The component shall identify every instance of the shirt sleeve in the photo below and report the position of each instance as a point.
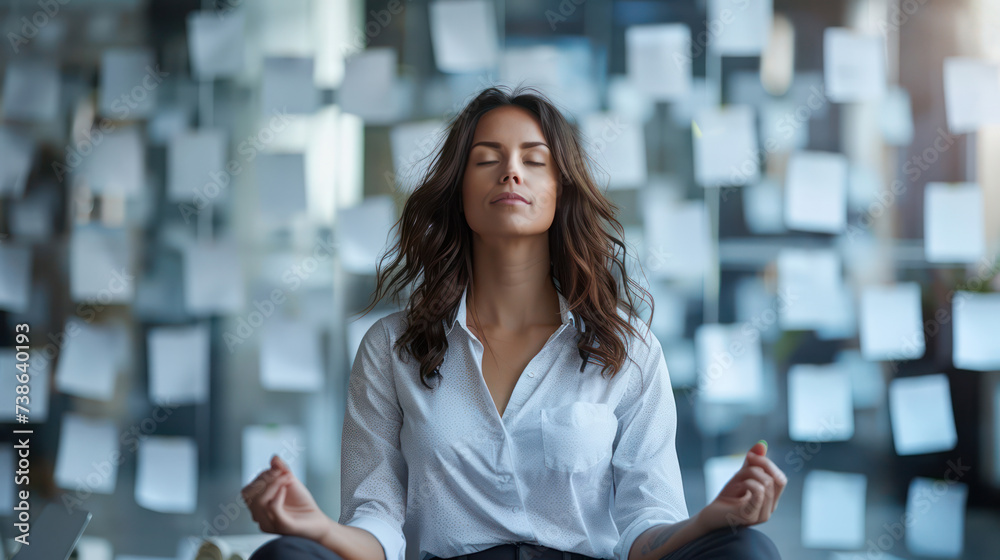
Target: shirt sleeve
(647, 477)
(373, 471)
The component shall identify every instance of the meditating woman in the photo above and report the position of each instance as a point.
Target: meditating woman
(516, 405)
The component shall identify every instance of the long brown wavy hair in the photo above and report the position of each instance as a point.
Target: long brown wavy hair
(434, 248)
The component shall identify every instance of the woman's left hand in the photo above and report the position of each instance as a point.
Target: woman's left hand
(750, 496)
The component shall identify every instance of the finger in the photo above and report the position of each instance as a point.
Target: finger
(750, 511)
(762, 476)
(759, 448)
(268, 495)
(780, 480)
(259, 484)
(769, 466)
(277, 508)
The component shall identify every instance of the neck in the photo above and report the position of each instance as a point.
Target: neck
(512, 286)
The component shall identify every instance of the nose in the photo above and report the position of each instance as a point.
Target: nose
(511, 175)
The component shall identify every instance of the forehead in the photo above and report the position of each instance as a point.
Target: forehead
(508, 123)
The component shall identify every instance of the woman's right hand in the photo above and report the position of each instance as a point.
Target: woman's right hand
(281, 504)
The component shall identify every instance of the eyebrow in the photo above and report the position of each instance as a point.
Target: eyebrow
(496, 145)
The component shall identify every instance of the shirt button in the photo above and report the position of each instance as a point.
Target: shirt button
(515, 509)
(531, 374)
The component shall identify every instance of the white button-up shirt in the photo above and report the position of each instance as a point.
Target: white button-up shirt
(577, 462)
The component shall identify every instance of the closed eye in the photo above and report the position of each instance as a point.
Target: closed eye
(527, 162)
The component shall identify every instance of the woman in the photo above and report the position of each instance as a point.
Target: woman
(503, 437)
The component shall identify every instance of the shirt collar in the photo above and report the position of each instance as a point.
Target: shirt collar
(565, 314)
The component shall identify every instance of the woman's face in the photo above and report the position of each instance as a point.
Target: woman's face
(509, 155)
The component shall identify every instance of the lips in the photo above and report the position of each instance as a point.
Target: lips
(510, 198)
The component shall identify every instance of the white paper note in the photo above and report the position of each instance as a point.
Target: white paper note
(291, 356)
(819, 403)
(619, 148)
(725, 146)
(971, 93)
(178, 364)
(116, 166)
(729, 364)
(31, 90)
(129, 82)
(935, 510)
(101, 267)
(216, 43)
(891, 324)
(782, 128)
(15, 277)
(676, 236)
(166, 477)
(921, 414)
(810, 284)
(954, 227)
(816, 192)
(260, 443)
(463, 35)
(413, 146)
(718, 471)
(681, 361)
(363, 231)
(703, 94)
(89, 361)
(853, 65)
(95, 548)
(368, 85)
(833, 510)
(87, 459)
(281, 184)
(977, 327)
(196, 167)
(287, 86)
(743, 26)
(658, 60)
(867, 380)
(17, 151)
(763, 207)
(213, 278)
(896, 117)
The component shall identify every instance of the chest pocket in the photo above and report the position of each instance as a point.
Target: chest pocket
(577, 436)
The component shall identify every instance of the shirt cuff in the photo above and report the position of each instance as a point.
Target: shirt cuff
(633, 531)
(392, 541)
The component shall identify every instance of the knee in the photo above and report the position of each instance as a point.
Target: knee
(285, 547)
(750, 543)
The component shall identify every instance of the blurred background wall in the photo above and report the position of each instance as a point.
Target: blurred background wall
(193, 196)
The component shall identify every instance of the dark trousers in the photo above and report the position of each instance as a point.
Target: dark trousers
(743, 543)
